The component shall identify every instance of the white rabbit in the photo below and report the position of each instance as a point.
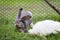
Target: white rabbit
(45, 27)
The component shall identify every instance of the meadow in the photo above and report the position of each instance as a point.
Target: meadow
(40, 11)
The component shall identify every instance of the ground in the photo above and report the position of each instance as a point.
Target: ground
(40, 11)
(7, 32)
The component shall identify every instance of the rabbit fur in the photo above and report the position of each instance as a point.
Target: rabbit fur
(45, 27)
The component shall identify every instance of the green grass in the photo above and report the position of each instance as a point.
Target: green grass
(7, 32)
(40, 10)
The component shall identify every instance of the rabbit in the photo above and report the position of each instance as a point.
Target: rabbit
(45, 27)
(23, 20)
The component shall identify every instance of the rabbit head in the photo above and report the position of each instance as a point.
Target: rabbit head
(20, 25)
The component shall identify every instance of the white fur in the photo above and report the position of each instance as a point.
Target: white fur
(45, 27)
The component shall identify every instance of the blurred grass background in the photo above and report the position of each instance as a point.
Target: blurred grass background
(40, 11)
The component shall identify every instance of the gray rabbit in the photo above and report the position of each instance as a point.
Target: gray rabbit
(23, 20)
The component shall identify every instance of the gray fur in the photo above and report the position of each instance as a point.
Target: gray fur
(20, 23)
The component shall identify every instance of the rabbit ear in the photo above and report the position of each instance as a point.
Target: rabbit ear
(20, 10)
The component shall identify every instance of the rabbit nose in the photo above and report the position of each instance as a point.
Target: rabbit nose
(25, 31)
